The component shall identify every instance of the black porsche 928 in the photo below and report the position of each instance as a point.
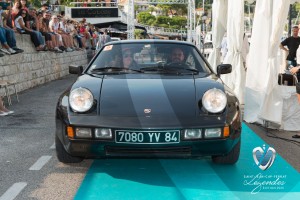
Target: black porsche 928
(148, 98)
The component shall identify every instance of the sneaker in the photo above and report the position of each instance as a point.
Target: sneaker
(11, 51)
(69, 49)
(5, 51)
(62, 48)
(10, 112)
(18, 50)
(57, 50)
(3, 113)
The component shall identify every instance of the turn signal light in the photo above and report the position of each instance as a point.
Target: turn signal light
(226, 131)
(70, 132)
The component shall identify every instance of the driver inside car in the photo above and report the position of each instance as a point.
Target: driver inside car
(177, 56)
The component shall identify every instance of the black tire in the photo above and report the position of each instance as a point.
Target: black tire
(231, 158)
(62, 154)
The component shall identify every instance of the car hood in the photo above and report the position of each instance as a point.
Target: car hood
(152, 95)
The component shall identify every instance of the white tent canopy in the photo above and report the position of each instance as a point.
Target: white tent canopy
(263, 96)
(219, 23)
(263, 100)
(235, 31)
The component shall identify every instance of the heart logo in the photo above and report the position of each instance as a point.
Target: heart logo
(264, 157)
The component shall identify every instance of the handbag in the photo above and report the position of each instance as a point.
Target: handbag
(287, 79)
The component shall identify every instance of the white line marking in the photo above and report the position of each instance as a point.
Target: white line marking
(40, 163)
(53, 146)
(13, 191)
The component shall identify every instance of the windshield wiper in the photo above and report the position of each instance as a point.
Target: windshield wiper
(156, 68)
(115, 69)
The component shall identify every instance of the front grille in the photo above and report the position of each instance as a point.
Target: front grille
(148, 152)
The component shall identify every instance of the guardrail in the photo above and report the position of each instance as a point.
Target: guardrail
(106, 4)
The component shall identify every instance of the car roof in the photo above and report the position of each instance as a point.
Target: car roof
(150, 41)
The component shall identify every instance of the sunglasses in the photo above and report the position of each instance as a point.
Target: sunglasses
(127, 55)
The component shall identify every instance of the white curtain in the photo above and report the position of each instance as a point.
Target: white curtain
(263, 101)
(235, 31)
(219, 20)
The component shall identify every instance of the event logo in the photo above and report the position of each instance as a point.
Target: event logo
(264, 157)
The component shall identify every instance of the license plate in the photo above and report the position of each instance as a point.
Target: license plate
(147, 137)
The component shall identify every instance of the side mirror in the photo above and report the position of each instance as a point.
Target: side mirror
(224, 69)
(75, 69)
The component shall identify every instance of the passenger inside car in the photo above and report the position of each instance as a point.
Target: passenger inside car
(128, 61)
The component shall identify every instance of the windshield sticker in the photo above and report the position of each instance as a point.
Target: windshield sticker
(108, 48)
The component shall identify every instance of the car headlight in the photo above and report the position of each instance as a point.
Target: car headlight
(81, 99)
(214, 100)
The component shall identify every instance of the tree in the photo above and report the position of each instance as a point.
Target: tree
(145, 18)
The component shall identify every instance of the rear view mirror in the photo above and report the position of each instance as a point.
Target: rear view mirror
(75, 69)
(224, 69)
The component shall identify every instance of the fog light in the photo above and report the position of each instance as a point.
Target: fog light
(84, 132)
(213, 132)
(104, 133)
(192, 133)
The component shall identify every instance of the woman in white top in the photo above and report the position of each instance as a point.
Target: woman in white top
(67, 37)
(54, 27)
(20, 25)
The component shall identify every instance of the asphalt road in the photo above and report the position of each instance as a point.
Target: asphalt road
(28, 163)
(29, 168)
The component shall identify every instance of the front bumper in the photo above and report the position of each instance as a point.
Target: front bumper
(95, 148)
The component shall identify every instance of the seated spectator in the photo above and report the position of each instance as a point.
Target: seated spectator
(53, 42)
(54, 28)
(23, 29)
(5, 47)
(67, 38)
(83, 30)
(9, 32)
(31, 22)
(4, 111)
(15, 10)
(73, 32)
(23, 5)
(44, 8)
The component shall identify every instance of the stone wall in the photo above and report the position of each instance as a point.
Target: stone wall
(32, 68)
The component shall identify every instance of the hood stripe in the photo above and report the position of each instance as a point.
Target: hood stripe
(136, 93)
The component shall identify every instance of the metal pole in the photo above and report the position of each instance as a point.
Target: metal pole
(290, 20)
(203, 6)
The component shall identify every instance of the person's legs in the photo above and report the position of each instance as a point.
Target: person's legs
(298, 97)
(11, 38)
(2, 36)
(40, 38)
(4, 111)
(6, 48)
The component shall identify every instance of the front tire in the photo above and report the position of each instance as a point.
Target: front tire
(231, 158)
(62, 154)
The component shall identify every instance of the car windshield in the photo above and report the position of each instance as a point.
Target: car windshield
(149, 57)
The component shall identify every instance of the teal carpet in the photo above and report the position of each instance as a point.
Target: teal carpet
(172, 179)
